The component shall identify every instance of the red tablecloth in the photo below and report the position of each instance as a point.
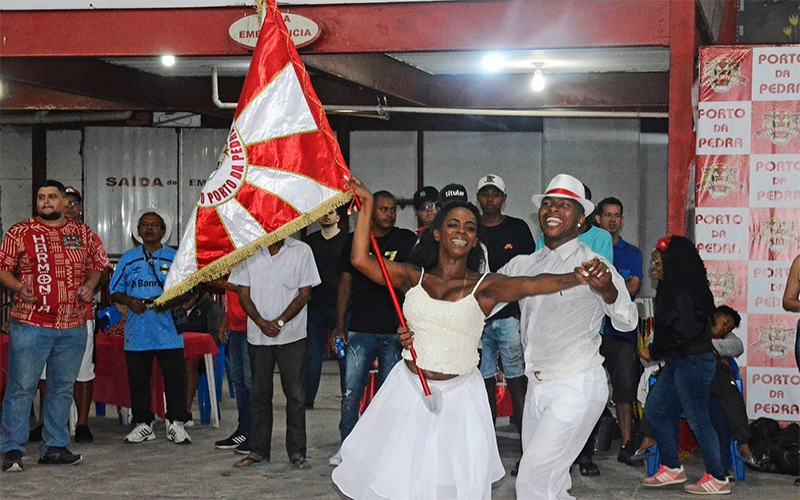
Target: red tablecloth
(111, 371)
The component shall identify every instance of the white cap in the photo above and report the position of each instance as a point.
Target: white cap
(492, 180)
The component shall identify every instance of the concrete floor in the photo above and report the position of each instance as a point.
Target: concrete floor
(161, 469)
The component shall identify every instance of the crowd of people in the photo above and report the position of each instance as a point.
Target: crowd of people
(554, 320)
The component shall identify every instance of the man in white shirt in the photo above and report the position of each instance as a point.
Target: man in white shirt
(274, 287)
(567, 387)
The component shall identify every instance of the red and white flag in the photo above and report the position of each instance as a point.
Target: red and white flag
(280, 170)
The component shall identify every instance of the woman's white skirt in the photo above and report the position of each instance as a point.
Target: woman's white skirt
(401, 450)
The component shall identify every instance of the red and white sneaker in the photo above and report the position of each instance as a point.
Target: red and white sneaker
(709, 485)
(665, 476)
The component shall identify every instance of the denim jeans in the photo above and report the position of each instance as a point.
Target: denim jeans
(684, 386)
(319, 324)
(502, 335)
(291, 364)
(29, 348)
(362, 349)
(242, 379)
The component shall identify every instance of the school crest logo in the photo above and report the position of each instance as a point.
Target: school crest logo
(777, 234)
(722, 74)
(779, 126)
(723, 285)
(720, 180)
(775, 340)
(71, 241)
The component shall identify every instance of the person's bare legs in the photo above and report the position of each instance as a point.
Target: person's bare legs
(625, 421)
(83, 400)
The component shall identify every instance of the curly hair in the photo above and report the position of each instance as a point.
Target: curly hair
(426, 253)
(685, 272)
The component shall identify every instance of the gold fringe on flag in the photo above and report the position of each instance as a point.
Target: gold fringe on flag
(222, 266)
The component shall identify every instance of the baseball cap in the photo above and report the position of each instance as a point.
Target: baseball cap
(452, 192)
(427, 193)
(74, 192)
(492, 180)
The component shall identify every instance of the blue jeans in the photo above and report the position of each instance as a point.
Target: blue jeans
(684, 386)
(319, 324)
(29, 348)
(502, 335)
(362, 349)
(242, 379)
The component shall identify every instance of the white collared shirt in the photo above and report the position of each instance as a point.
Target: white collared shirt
(274, 282)
(560, 331)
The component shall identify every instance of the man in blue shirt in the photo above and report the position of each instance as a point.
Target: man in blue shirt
(619, 348)
(150, 332)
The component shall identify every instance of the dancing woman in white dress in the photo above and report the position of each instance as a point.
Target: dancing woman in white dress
(400, 449)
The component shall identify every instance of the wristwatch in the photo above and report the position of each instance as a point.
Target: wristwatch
(281, 323)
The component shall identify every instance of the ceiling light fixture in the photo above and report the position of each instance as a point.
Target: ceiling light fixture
(494, 62)
(537, 84)
(168, 60)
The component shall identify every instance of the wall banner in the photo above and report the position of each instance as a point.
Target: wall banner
(747, 220)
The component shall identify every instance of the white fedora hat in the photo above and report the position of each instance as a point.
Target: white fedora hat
(164, 215)
(565, 186)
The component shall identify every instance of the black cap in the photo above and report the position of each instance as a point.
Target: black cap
(427, 193)
(452, 192)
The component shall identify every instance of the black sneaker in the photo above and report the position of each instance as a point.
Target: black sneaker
(83, 434)
(59, 456)
(35, 435)
(231, 441)
(243, 449)
(12, 461)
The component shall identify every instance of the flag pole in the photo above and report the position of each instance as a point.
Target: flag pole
(378, 255)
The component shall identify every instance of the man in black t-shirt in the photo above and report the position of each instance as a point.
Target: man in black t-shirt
(327, 247)
(373, 320)
(505, 238)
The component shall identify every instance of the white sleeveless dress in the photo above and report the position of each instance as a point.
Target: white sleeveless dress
(401, 450)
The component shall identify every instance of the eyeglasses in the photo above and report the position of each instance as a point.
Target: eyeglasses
(654, 263)
(73, 204)
(427, 207)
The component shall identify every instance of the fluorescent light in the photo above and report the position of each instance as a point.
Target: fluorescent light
(494, 62)
(538, 81)
(168, 60)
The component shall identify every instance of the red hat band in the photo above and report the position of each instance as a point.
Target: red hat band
(562, 191)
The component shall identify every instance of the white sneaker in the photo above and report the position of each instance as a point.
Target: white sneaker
(336, 459)
(142, 432)
(176, 433)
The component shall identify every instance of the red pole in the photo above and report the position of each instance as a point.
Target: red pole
(378, 255)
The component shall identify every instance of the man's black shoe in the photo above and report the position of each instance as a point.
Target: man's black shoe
(35, 435)
(625, 454)
(83, 434)
(59, 456)
(231, 441)
(12, 461)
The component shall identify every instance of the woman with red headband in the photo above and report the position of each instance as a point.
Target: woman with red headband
(401, 448)
(684, 312)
